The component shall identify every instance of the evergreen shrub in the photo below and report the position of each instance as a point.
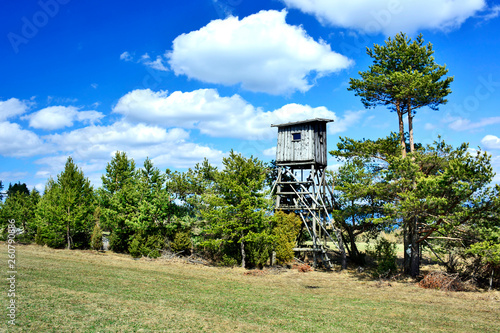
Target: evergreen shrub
(181, 243)
(384, 253)
(96, 239)
(285, 232)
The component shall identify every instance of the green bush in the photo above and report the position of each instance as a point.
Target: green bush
(135, 247)
(228, 261)
(80, 240)
(149, 247)
(119, 241)
(96, 239)
(285, 233)
(50, 237)
(38, 236)
(54, 240)
(182, 243)
(152, 247)
(222, 253)
(258, 248)
(384, 253)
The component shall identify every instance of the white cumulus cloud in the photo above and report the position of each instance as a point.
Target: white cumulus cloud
(491, 142)
(218, 116)
(145, 59)
(270, 151)
(342, 124)
(390, 16)
(261, 52)
(429, 127)
(492, 13)
(184, 109)
(97, 144)
(154, 64)
(464, 124)
(92, 147)
(126, 56)
(101, 141)
(12, 107)
(186, 155)
(56, 117)
(18, 142)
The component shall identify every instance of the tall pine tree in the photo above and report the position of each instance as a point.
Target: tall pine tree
(236, 208)
(65, 212)
(20, 207)
(404, 77)
(119, 200)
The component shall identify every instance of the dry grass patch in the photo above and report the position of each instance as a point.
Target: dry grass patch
(82, 291)
(443, 281)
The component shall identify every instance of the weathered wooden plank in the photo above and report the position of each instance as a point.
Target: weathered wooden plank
(302, 142)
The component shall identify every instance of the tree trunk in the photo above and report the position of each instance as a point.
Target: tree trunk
(354, 250)
(354, 253)
(406, 247)
(491, 278)
(243, 255)
(67, 229)
(415, 249)
(410, 130)
(343, 256)
(346, 246)
(67, 237)
(411, 262)
(401, 131)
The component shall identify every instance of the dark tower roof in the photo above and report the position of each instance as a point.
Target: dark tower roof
(323, 120)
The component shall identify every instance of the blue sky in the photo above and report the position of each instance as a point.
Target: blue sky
(178, 81)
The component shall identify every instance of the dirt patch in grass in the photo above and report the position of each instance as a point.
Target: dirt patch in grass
(256, 272)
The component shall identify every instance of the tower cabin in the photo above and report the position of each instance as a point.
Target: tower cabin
(301, 185)
(302, 144)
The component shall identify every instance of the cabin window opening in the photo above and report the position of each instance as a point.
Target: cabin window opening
(296, 136)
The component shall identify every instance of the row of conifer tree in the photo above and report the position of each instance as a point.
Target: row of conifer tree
(439, 198)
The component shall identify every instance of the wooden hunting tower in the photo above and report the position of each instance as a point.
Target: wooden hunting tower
(302, 143)
(301, 188)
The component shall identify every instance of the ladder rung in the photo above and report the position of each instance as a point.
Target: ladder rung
(294, 193)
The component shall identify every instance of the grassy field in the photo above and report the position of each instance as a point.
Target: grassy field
(84, 291)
